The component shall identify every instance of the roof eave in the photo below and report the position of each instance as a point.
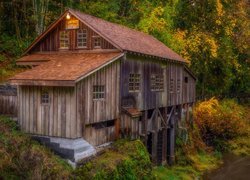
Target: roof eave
(33, 82)
(100, 67)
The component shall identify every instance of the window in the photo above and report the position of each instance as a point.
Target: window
(171, 86)
(82, 38)
(157, 82)
(134, 82)
(64, 39)
(186, 79)
(104, 124)
(178, 85)
(98, 92)
(97, 42)
(45, 97)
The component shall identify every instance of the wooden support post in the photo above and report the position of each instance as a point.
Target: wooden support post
(172, 140)
(154, 147)
(164, 140)
(145, 126)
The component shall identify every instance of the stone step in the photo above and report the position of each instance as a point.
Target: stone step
(81, 155)
(72, 149)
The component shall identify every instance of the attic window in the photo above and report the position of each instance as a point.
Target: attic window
(98, 92)
(171, 86)
(134, 82)
(45, 97)
(97, 41)
(82, 38)
(157, 82)
(64, 39)
(186, 79)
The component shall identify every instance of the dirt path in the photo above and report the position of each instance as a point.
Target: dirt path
(234, 168)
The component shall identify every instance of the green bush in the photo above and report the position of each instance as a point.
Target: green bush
(219, 122)
(23, 158)
(126, 160)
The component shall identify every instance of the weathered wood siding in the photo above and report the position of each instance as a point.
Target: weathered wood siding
(188, 88)
(99, 136)
(58, 118)
(51, 41)
(145, 98)
(174, 83)
(131, 127)
(91, 111)
(8, 105)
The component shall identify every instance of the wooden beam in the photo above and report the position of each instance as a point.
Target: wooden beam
(34, 82)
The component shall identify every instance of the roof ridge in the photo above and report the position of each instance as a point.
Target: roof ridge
(114, 23)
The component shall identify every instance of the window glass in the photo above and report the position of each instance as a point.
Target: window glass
(45, 97)
(98, 92)
(134, 82)
(82, 38)
(64, 39)
(97, 42)
(171, 86)
(157, 82)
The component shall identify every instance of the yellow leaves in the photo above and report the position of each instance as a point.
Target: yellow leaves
(200, 42)
(153, 21)
(219, 118)
(219, 8)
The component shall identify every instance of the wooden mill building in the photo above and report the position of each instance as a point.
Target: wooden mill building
(98, 81)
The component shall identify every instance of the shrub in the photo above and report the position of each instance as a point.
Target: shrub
(126, 160)
(219, 121)
(23, 158)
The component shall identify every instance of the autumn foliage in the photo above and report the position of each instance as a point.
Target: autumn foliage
(219, 121)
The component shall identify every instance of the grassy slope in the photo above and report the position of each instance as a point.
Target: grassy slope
(23, 158)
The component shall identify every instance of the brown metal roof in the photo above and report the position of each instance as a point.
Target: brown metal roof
(128, 39)
(65, 66)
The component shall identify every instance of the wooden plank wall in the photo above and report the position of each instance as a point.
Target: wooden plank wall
(145, 98)
(91, 111)
(8, 105)
(51, 41)
(174, 73)
(130, 127)
(188, 88)
(99, 136)
(58, 118)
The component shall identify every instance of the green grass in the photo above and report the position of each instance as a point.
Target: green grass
(125, 160)
(199, 163)
(23, 158)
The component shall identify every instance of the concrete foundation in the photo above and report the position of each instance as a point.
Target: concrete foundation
(74, 150)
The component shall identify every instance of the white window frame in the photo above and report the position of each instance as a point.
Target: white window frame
(64, 39)
(82, 38)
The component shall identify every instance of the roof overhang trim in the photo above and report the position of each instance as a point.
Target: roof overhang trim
(100, 67)
(32, 82)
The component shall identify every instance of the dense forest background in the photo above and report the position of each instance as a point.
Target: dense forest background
(213, 35)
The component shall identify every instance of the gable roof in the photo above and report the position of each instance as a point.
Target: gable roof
(64, 67)
(121, 37)
(128, 39)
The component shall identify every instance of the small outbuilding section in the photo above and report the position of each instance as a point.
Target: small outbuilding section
(92, 81)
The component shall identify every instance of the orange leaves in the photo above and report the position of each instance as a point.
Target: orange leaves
(219, 120)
